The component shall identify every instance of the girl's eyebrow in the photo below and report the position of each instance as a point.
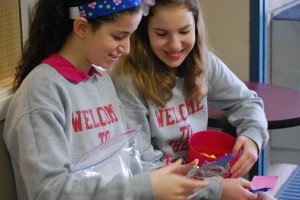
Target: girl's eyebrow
(123, 32)
(187, 26)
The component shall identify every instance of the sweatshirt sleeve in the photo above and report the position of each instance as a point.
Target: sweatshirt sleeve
(212, 192)
(244, 109)
(43, 162)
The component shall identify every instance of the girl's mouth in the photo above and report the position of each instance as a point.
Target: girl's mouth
(173, 55)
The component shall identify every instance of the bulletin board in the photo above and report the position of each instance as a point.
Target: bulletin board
(10, 40)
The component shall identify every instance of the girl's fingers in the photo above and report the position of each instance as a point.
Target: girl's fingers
(173, 167)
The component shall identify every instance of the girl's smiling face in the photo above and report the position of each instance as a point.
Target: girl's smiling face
(108, 43)
(172, 34)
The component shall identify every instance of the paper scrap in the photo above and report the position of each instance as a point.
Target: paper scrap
(264, 181)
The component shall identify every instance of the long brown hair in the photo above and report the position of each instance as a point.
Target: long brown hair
(49, 30)
(152, 77)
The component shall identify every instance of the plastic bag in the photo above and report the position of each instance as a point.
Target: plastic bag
(117, 156)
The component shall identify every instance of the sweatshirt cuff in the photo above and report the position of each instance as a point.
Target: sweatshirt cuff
(213, 191)
(260, 137)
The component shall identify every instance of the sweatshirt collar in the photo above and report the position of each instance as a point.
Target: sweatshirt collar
(68, 70)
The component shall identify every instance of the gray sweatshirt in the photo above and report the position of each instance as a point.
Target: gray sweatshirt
(166, 130)
(57, 115)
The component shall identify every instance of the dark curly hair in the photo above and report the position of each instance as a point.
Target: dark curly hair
(49, 29)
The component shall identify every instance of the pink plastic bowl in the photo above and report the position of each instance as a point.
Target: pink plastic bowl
(211, 142)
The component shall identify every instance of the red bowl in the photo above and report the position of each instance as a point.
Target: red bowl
(211, 142)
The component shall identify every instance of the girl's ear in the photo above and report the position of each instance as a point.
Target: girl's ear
(80, 26)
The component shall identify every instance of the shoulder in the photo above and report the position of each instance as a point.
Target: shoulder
(123, 82)
(216, 67)
(214, 61)
(44, 85)
(42, 77)
(127, 89)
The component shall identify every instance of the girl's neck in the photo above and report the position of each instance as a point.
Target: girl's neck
(72, 53)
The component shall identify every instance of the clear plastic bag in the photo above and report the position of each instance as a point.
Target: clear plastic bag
(117, 156)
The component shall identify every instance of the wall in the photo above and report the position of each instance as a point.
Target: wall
(285, 62)
(273, 5)
(283, 170)
(26, 8)
(228, 31)
(10, 51)
(7, 182)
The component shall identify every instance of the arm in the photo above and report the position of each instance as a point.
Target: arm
(244, 110)
(44, 162)
(43, 159)
(43, 143)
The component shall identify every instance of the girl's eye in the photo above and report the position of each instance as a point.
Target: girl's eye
(161, 34)
(185, 32)
(120, 37)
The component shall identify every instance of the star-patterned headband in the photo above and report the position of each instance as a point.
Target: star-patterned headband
(102, 7)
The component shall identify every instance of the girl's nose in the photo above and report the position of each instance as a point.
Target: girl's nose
(174, 42)
(124, 48)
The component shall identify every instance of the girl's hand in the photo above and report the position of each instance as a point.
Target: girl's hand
(248, 157)
(237, 189)
(167, 184)
(184, 169)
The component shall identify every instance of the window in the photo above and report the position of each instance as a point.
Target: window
(10, 40)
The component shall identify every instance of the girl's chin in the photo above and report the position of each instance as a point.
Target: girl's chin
(173, 64)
